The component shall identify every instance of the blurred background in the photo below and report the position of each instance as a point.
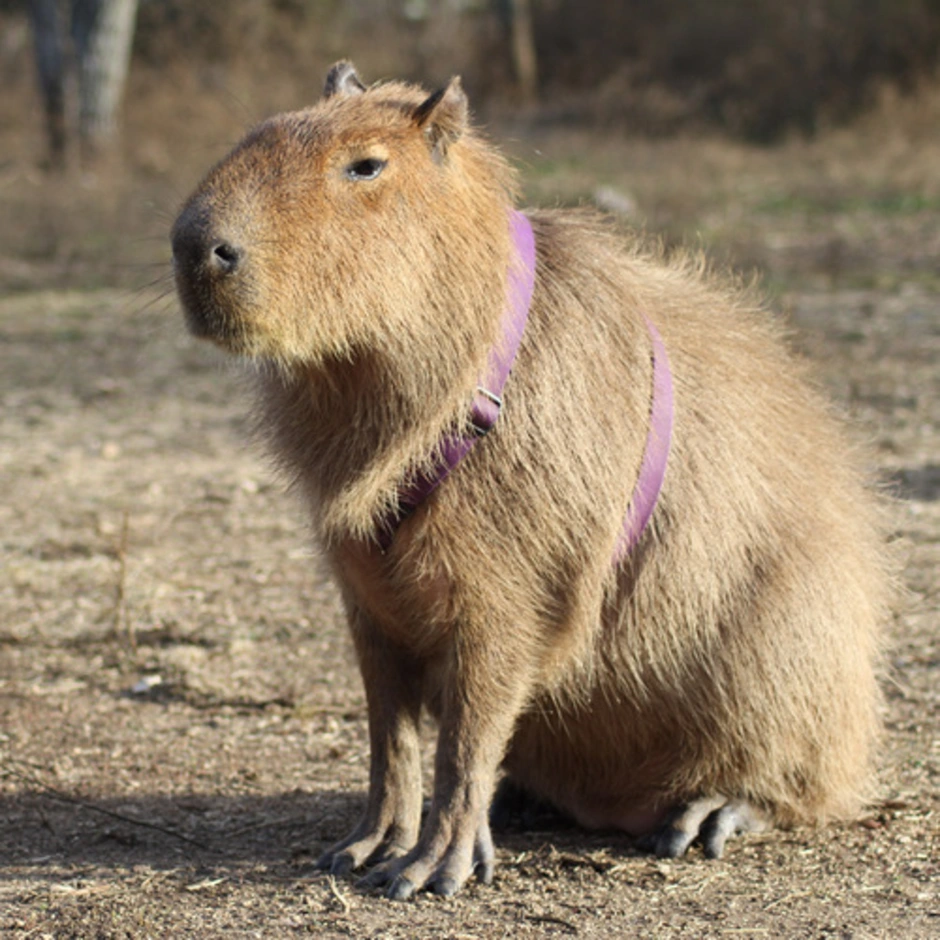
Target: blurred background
(112, 109)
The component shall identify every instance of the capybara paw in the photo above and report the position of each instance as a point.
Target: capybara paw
(710, 820)
(441, 868)
(732, 819)
(336, 863)
(354, 852)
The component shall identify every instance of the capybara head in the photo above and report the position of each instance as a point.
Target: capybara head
(352, 224)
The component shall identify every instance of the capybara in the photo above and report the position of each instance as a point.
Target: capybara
(648, 591)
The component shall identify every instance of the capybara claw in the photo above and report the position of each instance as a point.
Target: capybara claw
(342, 864)
(672, 843)
(484, 872)
(377, 878)
(338, 860)
(445, 886)
(401, 889)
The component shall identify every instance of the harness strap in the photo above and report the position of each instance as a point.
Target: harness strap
(487, 402)
(656, 455)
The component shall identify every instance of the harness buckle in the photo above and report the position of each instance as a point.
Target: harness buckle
(483, 414)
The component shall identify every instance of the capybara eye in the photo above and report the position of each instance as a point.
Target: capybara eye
(367, 169)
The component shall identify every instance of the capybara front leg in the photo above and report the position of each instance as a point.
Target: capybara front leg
(484, 693)
(710, 820)
(389, 827)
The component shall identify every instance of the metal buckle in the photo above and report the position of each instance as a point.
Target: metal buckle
(479, 428)
(495, 399)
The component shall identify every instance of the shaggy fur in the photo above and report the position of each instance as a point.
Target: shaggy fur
(729, 661)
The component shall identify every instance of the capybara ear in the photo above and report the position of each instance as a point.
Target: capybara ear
(443, 116)
(342, 80)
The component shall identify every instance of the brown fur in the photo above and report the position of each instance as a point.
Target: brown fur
(732, 655)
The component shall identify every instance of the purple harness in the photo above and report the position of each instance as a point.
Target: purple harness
(487, 402)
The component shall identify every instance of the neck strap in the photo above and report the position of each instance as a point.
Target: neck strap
(487, 399)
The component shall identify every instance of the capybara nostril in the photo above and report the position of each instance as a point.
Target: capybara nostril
(225, 257)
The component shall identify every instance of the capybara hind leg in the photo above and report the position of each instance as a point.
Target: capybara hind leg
(710, 820)
(389, 827)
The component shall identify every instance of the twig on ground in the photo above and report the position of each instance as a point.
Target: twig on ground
(53, 794)
(334, 890)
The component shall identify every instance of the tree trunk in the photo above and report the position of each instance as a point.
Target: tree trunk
(102, 31)
(50, 63)
(523, 49)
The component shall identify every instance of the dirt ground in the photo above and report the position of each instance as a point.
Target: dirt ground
(182, 728)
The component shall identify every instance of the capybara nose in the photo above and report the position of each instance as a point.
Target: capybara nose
(224, 257)
(200, 248)
(193, 252)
